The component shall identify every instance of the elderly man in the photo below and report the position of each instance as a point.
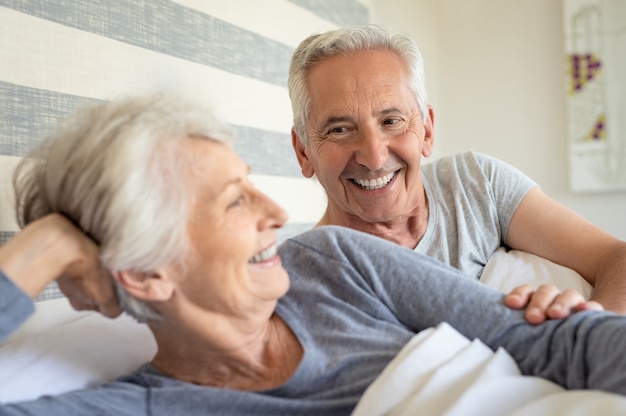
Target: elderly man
(362, 124)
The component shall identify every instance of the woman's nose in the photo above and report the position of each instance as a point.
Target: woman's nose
(274, 215)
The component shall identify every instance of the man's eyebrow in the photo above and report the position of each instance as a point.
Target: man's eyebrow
(335, 119)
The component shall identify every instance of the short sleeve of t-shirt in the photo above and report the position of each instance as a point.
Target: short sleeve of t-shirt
(472, 198)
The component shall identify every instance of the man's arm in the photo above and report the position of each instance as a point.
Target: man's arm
(52, 248)
(548, 229)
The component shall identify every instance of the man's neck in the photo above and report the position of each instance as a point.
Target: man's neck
(406, 230)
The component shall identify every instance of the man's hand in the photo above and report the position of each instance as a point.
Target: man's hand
(548, 229)
(548, 302)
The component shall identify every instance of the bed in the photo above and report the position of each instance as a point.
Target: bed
(438, 372)
(240, 62)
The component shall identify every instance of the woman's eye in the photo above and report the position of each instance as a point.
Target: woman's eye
(237, 202)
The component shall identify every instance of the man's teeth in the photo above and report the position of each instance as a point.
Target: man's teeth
(264, 255)
(373, 184)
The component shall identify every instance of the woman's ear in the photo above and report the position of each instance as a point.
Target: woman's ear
(155, 286)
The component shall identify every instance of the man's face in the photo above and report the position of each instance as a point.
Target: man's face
(366, 136)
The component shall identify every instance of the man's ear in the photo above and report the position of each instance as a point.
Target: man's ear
(429, 133)
(154, 286)
(301, 153)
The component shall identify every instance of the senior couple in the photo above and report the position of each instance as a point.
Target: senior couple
(244, 327)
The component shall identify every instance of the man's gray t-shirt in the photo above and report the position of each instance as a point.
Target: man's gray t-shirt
(471, 200)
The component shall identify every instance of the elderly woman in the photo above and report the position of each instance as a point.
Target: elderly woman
(190, 245)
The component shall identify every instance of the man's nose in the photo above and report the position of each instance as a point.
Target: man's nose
(372, 149)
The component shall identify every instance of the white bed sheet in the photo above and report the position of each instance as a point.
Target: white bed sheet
(440, 372)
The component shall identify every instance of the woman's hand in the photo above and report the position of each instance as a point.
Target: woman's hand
(52, 248)
(548, 302)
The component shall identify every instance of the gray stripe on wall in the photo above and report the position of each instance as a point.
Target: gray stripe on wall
(287, 231)
(266, 152)
(27, 115)
(6, 236)
(50, 292)
(172, 29)
(342, 13)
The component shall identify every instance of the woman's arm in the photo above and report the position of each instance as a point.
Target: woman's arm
(52, 248)
(584, 350)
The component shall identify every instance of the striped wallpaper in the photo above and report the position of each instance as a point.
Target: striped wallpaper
(55, 55)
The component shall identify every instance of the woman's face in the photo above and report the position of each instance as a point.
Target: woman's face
(232, 268)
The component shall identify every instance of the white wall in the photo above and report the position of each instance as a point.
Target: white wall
(497, 86)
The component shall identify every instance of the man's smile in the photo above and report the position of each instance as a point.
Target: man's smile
(377, 183)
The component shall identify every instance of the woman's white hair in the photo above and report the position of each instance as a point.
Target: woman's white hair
(116, 170)
(347, 41)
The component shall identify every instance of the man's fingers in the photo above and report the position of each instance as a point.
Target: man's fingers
(518, 298)
(590, 305)
(564, 304)
(548, 302)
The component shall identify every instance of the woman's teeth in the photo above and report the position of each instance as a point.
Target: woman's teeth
(264, 255)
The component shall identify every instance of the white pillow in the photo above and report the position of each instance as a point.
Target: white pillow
(509, 269)
(59, 349)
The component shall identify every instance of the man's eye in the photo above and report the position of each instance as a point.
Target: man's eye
(392, 120)
(337, 130)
